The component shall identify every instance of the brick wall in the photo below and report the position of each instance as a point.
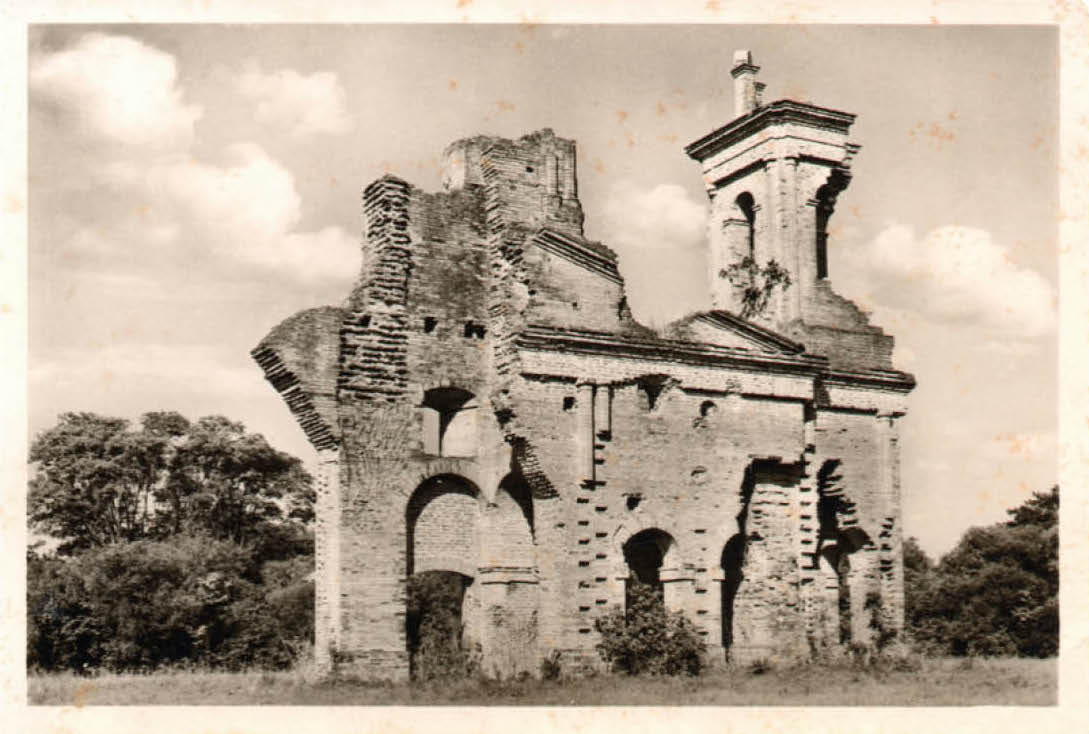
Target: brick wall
(587, 429)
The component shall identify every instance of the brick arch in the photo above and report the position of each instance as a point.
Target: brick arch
(442, 526)
(632, 526)
(508, 541)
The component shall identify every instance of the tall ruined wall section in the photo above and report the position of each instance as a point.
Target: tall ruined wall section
(484, 404)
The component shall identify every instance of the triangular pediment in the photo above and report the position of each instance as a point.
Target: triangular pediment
(724, 329)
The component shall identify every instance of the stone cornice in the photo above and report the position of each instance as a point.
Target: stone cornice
(593, 343)
(593, 257)
(547, 338)
(871, 379)
(783, 111)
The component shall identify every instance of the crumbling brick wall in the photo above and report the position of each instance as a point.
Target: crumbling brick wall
(484, 403)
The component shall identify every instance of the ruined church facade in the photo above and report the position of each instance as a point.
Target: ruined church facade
(483, 403)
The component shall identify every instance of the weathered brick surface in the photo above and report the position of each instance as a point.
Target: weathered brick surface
(485, 404)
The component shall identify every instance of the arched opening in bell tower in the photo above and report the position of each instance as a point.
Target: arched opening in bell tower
(824, 211)
(747, 205)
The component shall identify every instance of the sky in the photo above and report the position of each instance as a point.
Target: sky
(193, 185)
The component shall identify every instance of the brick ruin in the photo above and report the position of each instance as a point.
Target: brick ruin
(484, 403)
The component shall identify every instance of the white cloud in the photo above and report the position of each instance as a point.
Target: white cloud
(157, 203)
(659, 235)
(115, 89)
(243, 210)
(299, 105)
(953, 275)
(663, 217)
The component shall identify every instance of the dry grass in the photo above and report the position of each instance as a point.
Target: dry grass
(946, 682)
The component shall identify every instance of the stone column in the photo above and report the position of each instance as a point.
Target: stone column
(327, 560)
(890, 540)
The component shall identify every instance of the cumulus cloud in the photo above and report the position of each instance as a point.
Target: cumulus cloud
(300, 105)
(659, 235)
(157, 202)
(955, 275)
(115, 89)
(664, 217)
(243, 210)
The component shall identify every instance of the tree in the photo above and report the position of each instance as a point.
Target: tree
(140, 605)
(97, 481)
(996, 592)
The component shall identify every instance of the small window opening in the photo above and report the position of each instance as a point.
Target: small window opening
(529, 169)
(474, 330)
(568, 403)
(365, 321)
(430, 322)
(634, 500)
(707, 409)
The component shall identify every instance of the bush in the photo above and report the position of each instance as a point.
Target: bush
(434, 629)
(646, 639)
(147, 604)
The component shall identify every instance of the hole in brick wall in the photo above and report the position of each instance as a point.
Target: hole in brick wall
(430, 322)
(532, 292)
(568, 403)
(364, 321)
(529, 169)
(634, 500)
(707, 409)
(474, 330)
(575, 305)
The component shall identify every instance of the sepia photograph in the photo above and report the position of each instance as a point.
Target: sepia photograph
(542, 364)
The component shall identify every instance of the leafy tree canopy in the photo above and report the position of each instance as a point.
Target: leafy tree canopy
(98, 480)
(996, 592)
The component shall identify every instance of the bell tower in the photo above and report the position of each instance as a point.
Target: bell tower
(773, 174)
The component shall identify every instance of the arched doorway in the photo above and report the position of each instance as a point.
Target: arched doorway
(442, 556)
(645, 554)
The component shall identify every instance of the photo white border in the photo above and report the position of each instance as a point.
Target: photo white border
(1072, 713)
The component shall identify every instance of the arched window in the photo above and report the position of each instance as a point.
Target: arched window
(824, 211)
(747, 206)
(449, 422)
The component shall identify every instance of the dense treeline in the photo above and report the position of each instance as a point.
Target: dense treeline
(176, 542)
(996, 592)
(190, 543)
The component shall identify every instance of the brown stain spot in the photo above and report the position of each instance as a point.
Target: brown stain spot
(13, 204)
(81, 694)
(1037, 141)
(668, 138)
(333, 183)
(453, 85)
(952, 115)
(660, 108)
(463, 3)
(5, 308)
(621, 116)
(504, 105)
(598, 166)
(630, 139)
(528, 25)
(712, 6)
(934, 20)
(519, 47)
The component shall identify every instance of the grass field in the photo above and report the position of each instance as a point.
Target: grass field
(945, 682)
